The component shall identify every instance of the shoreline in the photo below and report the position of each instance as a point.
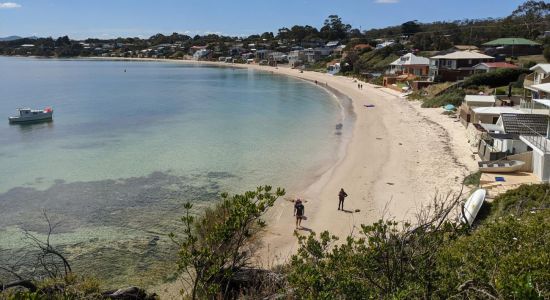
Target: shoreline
(398, 157)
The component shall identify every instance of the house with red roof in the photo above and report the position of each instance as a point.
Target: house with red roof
(486, 67)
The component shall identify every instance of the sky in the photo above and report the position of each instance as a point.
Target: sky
(80, 19)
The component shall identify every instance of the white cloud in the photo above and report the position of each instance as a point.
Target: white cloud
(386, 1)
(8, 5)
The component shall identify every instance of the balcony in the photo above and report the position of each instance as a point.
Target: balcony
(529, 80)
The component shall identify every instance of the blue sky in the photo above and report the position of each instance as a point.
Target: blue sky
(111, 18)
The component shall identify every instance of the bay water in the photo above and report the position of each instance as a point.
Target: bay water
(131, 142)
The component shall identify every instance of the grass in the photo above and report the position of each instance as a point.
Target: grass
(453, 97)
(533, 58)
(473, 179)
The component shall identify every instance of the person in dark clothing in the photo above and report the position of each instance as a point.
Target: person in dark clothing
(341, 196)
(299, 210)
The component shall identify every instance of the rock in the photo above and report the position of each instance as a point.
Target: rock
(130, 293)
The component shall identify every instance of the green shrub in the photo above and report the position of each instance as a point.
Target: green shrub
(495, 79)
(509, 258)
(473, 179)
(521, 201)
(453, 97)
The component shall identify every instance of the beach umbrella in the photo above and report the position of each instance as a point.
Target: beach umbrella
(449, 107)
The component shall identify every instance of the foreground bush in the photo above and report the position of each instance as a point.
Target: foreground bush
(217, 246)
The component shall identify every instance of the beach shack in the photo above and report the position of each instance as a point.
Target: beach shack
(470, 102)
(490, 115)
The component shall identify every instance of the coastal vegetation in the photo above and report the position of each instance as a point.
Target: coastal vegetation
(505, 255)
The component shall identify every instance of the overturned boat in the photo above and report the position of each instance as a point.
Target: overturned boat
(500, 166)
(27, 115)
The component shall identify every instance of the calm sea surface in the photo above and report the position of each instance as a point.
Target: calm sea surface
(132, 141)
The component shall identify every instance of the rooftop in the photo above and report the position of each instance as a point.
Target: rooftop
(524, 124)
(411, 59)
(511, 41)
(496, 110)
(463, 55)
(480, 98)
(544, 67)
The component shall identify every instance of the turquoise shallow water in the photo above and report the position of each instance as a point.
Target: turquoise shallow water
(132, 141)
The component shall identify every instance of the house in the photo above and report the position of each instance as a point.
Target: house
(194, 49)
(493, 66)
(333, 68)
(456, 65)
(410, 64)
(296, 58)
(503, 138)
(203, 54)
(278, 57)
(512, 47)
(385, 44)
(536, 84)
(408, 67)
(312, 55)
(470, 102)
(262, 55)
(332, 44)
(538, 140)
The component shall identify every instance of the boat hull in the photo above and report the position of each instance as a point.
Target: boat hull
(42, 118)
(472, 206)
(501, 167)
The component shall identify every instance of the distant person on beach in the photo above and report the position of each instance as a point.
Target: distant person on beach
(299, 210)
(341, 196)
(316, 82)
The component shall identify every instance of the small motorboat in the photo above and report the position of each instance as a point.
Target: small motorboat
(472, 206)
(27, 115)
(500, 166)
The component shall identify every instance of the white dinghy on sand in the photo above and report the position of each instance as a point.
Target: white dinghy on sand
(472, 206)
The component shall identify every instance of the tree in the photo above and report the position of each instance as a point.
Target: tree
(532, 14)
(334, 28)
(547, 53)
(214, 247)
(410, 28)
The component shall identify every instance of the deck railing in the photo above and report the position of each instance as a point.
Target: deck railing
(536, 139)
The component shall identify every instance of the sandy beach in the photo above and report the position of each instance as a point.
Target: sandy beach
(399, 158)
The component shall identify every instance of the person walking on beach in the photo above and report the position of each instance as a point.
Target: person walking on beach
(341, 196)
(299, 210)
